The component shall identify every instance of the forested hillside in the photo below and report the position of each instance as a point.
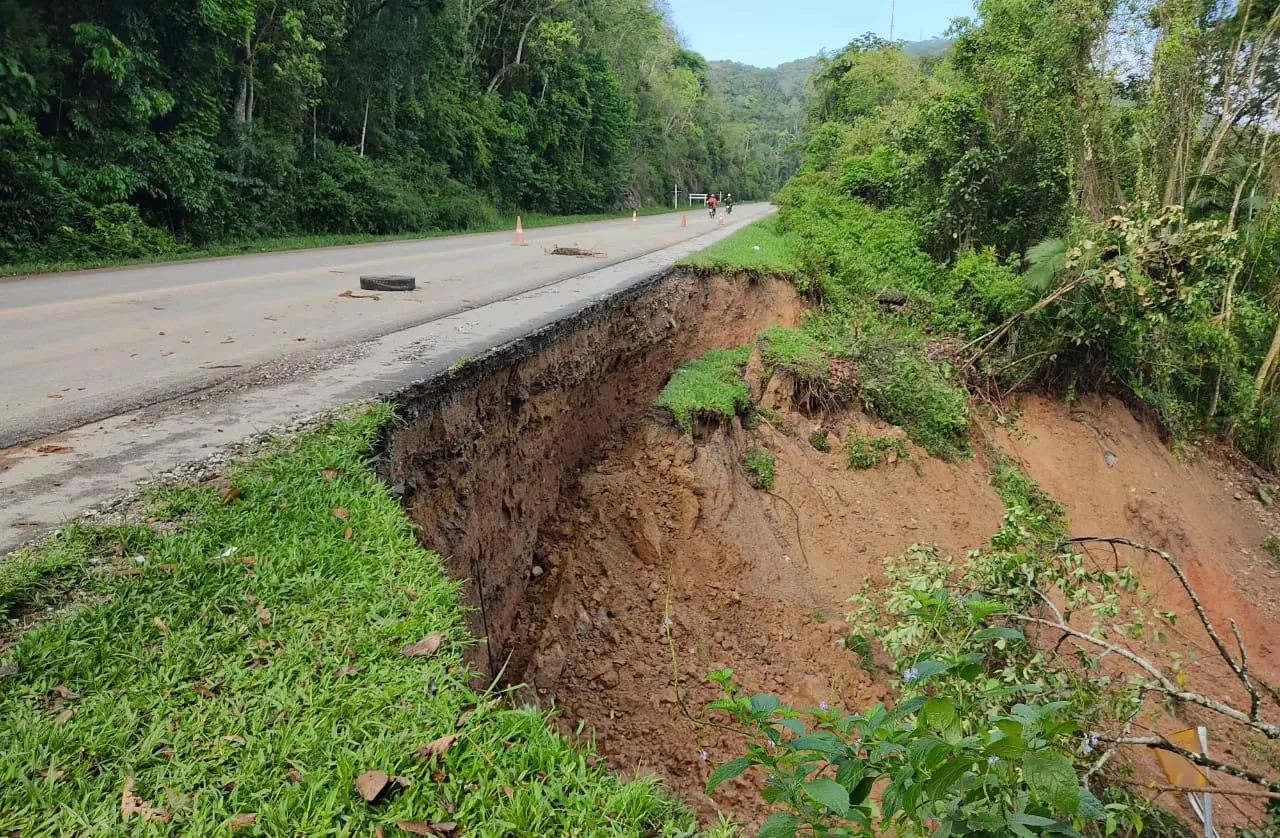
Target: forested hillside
(766, 113)
(132, 127)
(1087, 191)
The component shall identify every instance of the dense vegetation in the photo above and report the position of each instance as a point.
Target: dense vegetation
(131, 129)
(1085, 191)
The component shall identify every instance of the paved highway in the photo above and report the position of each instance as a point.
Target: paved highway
(78, 347)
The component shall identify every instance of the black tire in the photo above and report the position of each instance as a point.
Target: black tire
(388, 282)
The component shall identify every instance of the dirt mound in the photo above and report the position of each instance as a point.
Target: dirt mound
(754, 580)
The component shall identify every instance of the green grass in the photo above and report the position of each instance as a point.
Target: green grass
(761, 466)
(868, 452)
(216, 706)
(900, 385)
(709, 386)
(820, 441)
(794, 350)
(308, 242)
(758, 247)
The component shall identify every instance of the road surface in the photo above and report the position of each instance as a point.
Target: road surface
(78, 347)
(51, 479)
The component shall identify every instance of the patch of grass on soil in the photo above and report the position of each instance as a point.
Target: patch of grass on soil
(794, 350)
(868, 452)
(249, 667)
(711, 385)
(759, 247)
(900, 385)
(760, 465)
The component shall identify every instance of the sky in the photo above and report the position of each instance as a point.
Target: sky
(769, 32)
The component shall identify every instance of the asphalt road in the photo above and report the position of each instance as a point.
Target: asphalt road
(79, 347)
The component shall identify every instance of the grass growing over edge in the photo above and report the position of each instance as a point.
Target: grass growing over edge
(275, 244)
(710, 385)
(900, 385)
(795, 350)
(758, 247)
(222, 684)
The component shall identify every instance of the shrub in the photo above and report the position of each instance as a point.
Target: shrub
(868, 452)
(900, 385)
(820, 441)
(796, 351)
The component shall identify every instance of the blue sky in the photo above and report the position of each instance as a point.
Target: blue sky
(769, 32)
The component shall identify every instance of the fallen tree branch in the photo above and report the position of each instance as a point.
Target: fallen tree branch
(1241, 667)
(1163, 684)
(1159, 743)
(1162, 787)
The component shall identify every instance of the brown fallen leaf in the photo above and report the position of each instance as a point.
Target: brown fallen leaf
(57, 773)
(294, 775)
(329, 473)
(131, 804)
(163, 749)
(347, 670)
(129, 571)
(425, 647)
(264, 613)
(234, 740)
(64, 716)
(241, 820)
(346, 536)
(159, 623)
(245, 560)
(370, 784)
(118, 549)
(61, 691)
(204, 692)
(353, 296)
(230, 495)
(378, 832)
(424, 828)
(166, 567)
(54, 449)
(341, 512)
(438, 747)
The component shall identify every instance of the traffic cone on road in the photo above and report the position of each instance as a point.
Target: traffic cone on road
(720, 220)
(684, 221)
(634, 223)
(519, 233)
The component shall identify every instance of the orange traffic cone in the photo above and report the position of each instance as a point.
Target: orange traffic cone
(519, 233)
(720, 220)
(684, 222)
(634, 224)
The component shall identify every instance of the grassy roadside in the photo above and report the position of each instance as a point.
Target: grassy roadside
(303, 242)
(246, 669)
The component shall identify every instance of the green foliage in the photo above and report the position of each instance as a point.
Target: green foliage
(190, 668)
(760, 464)
(868, 452)
(876, 178)
(709, 387)
(796, 351)
(1272, 546)
(901, 385)
(129, 130)
(820, 440)
(759, 247)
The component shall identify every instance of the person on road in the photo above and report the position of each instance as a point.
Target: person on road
(728, 204)
(712, 204)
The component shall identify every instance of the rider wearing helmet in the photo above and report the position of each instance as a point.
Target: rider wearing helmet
(728, 204)
(713, 202)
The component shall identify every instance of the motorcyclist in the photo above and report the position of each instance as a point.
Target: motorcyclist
(712, 204)
(728, 204)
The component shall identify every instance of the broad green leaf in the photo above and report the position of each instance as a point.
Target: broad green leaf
(829, 793)
(765, 702)
(859, 792)
(927, 669)
(1030, 820)
(997, 633)
(939, 713)
(727, 771)
(1052, 778)
(1007, 747)
(779, 825)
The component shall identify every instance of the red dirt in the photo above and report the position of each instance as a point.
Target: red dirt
(750, 587)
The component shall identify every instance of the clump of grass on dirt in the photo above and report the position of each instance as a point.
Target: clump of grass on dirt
(820, 441)
(251, 664)
(901, 385)
(760, 247)
(761, 465)
(794, 350)
(711, 385)
(868, 452)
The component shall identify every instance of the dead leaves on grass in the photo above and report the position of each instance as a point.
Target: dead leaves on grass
(438, 747)
(131, 805)
(241, 820)
(424, 648)
(424, 828)
(373, 784)
(341, 512)
(264, 613)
